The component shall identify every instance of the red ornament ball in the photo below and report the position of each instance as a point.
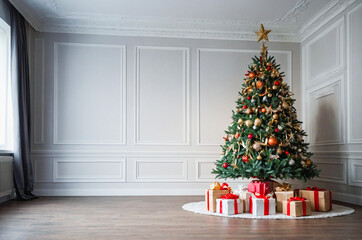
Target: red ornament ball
(251, 75)
(225, 165)
(249, 97)
(276, 130)
(250, 136)
(286, 152)
(244, 107)
(245, 159)
(276, 83)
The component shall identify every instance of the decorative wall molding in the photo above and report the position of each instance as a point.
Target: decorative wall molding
(339, 27)
(198, 82)
(60, 21)
(186, 95)
(334, 86)
(339, 163)
(167, 164)
(38, 134)
(353, 176)
(331, 10)
(121, 177)
(122, 51)
(349, 52)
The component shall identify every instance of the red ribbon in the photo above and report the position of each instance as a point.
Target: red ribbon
(251, 204)
(208, 202)
(266, 203)
(221, 206)
(297, 199)
(235, 206)
(230, 196)
(224, 186)
(316, 199)
(235, 203)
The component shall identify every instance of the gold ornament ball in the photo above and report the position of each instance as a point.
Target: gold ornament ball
(257, 146)
(272, 75)
(240, 121)
(285, 105)
(259, 84)
(275, 116)
(280, 151)
(249, 123)
(250, 90)
(270, 95)
(308, 162)
(257, 122)
(248, 111)
(259, 157)
(275, 87)
(269, 64)
(272, 141)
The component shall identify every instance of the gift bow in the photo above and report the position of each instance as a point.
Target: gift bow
(263, 196)
(315, 189)
(230, 196)
(241, 188)
(296, 199)
(217, 186)
(284, 187)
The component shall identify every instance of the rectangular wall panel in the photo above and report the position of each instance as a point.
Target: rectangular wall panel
(355, 172)
(88, 170)
(332, 169)
(38, 100)
(354, 74)
(203, 171)
(43, 169)
(325, 52)
(324, 113)
(162, 95)
(220, 78)
(158, 169)
(89, 93)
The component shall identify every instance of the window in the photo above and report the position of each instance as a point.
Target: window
(6, 123)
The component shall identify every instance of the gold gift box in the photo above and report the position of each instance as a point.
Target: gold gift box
(324, 199)
(211, 196)
(296, 208)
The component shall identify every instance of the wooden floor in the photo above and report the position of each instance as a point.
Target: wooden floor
(154, 218)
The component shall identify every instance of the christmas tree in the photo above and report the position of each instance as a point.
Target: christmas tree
(265, 139)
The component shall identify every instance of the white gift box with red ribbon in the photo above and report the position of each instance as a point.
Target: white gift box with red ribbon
(262, 205)
(229, 206)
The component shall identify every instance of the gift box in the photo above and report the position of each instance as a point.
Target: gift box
(282, 193)
(282, 196)
(297, 207)
(262, 205)
(262, 188)
(244, 196)
(229, 204)
(216, 191)
(321, 199)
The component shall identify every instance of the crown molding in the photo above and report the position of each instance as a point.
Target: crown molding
(27, 14)
(332, 9)
(284, 29)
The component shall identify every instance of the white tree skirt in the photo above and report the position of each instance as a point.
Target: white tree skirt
(337, 210)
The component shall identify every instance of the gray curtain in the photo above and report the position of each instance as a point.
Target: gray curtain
(23, 175)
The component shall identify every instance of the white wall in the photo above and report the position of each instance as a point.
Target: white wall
(332, 103)
(134, 115)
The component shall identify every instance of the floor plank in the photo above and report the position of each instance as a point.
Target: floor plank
(154, 218)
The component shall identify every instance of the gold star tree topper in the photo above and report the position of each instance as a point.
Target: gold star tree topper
(263, 34)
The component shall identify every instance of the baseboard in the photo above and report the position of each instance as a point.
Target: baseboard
(6, 196)
(347, 198)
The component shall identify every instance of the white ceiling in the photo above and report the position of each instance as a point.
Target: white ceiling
(223, 19)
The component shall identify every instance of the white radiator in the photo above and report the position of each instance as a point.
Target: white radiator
(6, 177)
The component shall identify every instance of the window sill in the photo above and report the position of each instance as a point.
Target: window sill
(6, 153)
